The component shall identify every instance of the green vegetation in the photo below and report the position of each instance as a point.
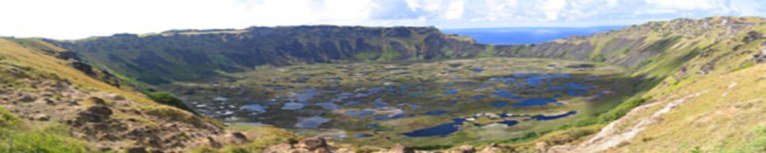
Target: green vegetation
(170, 100)
(50, 139)
(389, 55)
(488, 51)
(432, 79)
(366, 56)
(758, 144)
(7, 119)
(622, 109)
(18, 137)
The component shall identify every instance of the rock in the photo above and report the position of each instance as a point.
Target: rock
(105, 148)
(96, 101)
(399, 148)
(466, 149)
(116, 97)
(41, 117)
(27, 98)
(541, 147)
(136, 150)
(279, 148)
(490, 150)
(214, 143)
(314, 143)
(96, 113)
(238, 137)
(49, 101)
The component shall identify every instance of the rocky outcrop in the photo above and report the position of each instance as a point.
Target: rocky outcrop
(399, 148)
(310, 145)
(107, 121)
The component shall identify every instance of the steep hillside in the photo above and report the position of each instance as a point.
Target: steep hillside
(54, 105)
(187, 55)
(652, 48)
(709, 102)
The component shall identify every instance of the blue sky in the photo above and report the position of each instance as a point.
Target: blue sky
(73, 19)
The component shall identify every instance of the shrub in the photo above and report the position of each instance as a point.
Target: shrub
(622, 109)
(7, 119)
(170, 100)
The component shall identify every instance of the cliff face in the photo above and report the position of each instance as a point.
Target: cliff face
(187, 55)
(195, 54)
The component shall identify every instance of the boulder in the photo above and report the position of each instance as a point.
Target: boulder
(96, 113)
(41, 117)
(136, 150)
(238, 137)
(96, 101)
(115, 97)
(214, 143)
(399, 148)
(541, 147)
(466, 149)
(314, 143)
(279, 148)
(27, 98)
(49, 101)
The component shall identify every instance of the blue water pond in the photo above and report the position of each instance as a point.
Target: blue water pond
(436, 112)
(361, 113)
(389, 117)
(510, 122)
(535, 102)
(450, 92)
(328, 105)
(311, 122)
(479, 97)
(499, 104)
(477, 70)
(361, 135)
(502, 79)
(254, 107)
(552, 117)
(502, 93)
(293, 106)
(307, 95)
(439, 130)
(379, 103)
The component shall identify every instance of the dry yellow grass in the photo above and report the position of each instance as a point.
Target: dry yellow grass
(722, 119)
(15, 53)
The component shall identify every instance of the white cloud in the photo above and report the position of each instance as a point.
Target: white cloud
(413, 5)
(498, 9)
(81, 18)
(455, 10)
(552, 8)
(683, 4)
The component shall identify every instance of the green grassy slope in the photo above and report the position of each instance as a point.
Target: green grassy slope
(702, 90)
